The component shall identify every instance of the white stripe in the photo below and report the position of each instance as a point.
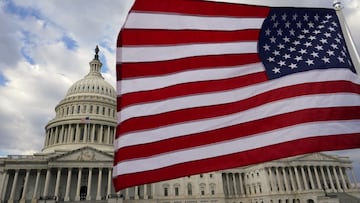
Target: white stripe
(139, 20)
(151, 83)
(301, 131)
(234, 95)
(161, 53)
(260, 112)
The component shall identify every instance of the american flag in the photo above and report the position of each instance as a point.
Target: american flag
(205, 86)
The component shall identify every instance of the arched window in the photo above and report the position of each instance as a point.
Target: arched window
(189, 189)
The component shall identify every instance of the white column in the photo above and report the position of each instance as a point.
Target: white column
(236, 192)
(101, 133)
(324, 178)
(343, 179)
(298, 183)
(109, 181)
(271, 182)
(354, 178)
(25, 185)
(318, 183)
(127, 193)
(292, 181)
(4, 185)
(47, 180)
(68, 182)
(77, 196)
(98, 193)
(13, 187)
(145, 192)
(286, 181)
(311, 178)
(330, 178)
(336, 179)
(279, 184)
(241, 184)
(57, 183)
(36, 184)
(306, 187)
(136, 191)
(88, 195)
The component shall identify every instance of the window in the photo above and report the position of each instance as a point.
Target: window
(212, 189)
(166, 191)
(176, 190)
(202, 189)
(189, 189)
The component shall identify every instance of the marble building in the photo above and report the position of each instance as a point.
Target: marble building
(76, 161)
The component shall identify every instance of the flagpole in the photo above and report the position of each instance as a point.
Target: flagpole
(347, 35)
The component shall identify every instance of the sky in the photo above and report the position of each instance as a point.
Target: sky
(46, 46)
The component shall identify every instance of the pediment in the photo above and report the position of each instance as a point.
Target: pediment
(86, 154)
(316, 157)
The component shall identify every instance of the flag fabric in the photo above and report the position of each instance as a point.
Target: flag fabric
(204, 86)
(85, 119)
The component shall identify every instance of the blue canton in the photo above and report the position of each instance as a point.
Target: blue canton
(296, 40)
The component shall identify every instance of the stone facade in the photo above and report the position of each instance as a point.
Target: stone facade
(76, 165)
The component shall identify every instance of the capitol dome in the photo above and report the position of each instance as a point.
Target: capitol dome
(86, 116)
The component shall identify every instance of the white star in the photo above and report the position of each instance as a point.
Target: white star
(271, 59)
(287, 24)
(311, 25)
(293, 66)
(299, 24)
(306, 17)
(292, 32)
(292, 49)
(312, 38)
(324, 41)
(327, 34)
(308, 44)
(286, 39)
(334, 46)
(281, 63)
(328, 16)
(286, 56)
(316, 17)
(305, 31)
(309, 62)
(266, 47)
(326, 59)
(276, 53)
(318, 47)
(281, 46)
(284, 16)
(331, 29)
(317, 32)
(303, 51)
(273, 17)
(279, 32)
(298, 58)
(296, 42)
(276, 70)
(273, 39)
(341, 59)
(315, 54)
(294, 17)
(267, 32)
(301, 36)
(276, 24)
(330, 52)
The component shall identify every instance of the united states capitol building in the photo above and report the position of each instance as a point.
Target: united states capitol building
(75, 165)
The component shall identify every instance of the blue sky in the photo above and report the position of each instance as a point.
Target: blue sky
(46, 45)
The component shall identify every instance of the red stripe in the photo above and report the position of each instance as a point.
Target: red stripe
(196, 7)
(183, 115)
(264, 154)
(165, 37)
(237, 131)
(132, 70)
(186, 89)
